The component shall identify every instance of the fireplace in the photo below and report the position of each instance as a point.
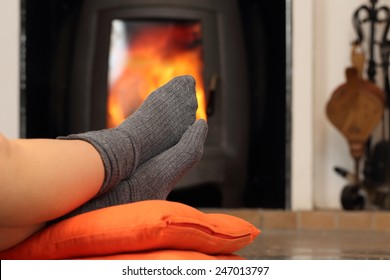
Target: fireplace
(79, 87)
(208, 34)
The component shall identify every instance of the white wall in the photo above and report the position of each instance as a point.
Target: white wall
(333, 36)
(9, 68)
(320, 55)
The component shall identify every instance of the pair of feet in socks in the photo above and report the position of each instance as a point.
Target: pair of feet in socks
(151, 150)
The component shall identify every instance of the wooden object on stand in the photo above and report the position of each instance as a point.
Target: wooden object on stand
(355, 109)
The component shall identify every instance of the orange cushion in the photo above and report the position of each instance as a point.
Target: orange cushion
(166, 255)
(135, 227)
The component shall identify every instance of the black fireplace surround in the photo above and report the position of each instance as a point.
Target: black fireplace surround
(64, 62)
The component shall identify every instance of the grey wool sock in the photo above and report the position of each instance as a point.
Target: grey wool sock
(156, 178)
(155, 126)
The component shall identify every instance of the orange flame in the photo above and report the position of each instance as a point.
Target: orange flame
(155, 55)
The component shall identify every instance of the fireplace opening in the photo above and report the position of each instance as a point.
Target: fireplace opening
(146, 54)
(240, 53)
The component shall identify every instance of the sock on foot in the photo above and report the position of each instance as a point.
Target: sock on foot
(155, 126)
(156, 178)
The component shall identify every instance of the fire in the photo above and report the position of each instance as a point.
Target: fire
(155, 54)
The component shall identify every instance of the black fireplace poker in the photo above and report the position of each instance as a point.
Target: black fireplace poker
(372, 16)
(375, 16)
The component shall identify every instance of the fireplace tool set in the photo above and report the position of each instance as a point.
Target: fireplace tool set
(359, 105)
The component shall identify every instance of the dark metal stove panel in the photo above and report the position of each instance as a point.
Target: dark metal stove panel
(225, 152)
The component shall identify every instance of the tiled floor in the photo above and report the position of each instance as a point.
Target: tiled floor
(316, 234)
(318, 244)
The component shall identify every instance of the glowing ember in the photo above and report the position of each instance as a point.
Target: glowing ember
(150, 55)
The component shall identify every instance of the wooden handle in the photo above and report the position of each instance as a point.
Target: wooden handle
(358, 59)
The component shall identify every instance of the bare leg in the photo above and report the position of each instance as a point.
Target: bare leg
(43, 179)
(11, 236)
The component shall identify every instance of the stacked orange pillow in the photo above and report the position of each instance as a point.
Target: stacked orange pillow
(153, 229)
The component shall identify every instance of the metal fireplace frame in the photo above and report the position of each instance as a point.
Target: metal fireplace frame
(225, 153)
